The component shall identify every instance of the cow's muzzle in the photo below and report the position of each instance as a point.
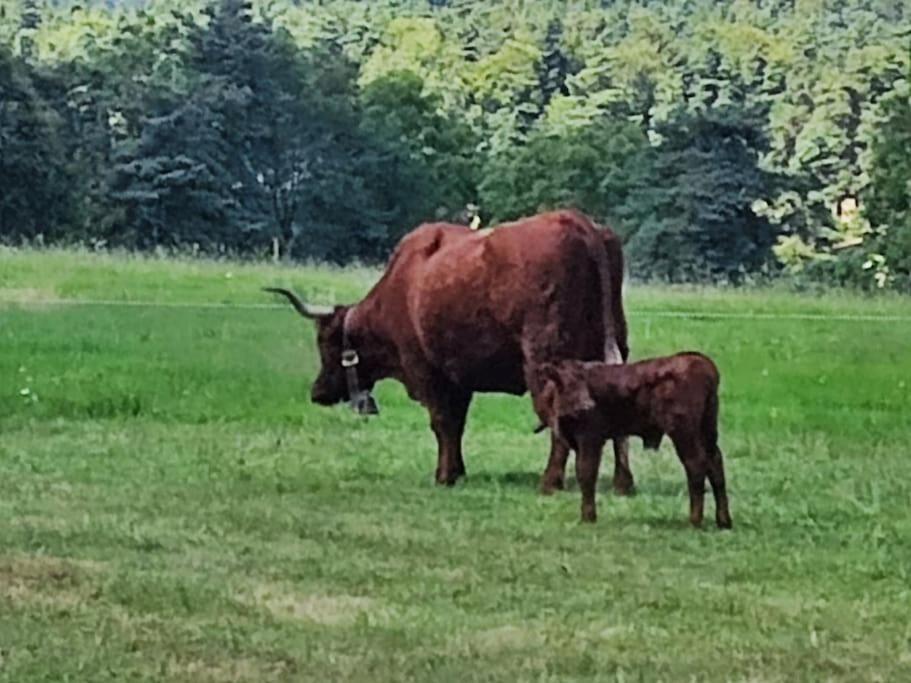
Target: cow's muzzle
(363, 403)
(360, 400)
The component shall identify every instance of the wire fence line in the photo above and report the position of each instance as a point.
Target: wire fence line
(631, 313)
(137, 304)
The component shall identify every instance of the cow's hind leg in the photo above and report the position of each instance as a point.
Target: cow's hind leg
(554, 475)
(623, 475)
(448, 411)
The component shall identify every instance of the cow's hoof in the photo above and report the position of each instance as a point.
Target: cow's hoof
(589, 516)
(725, 523)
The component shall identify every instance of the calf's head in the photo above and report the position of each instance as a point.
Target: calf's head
(333, 384)
(560, 392)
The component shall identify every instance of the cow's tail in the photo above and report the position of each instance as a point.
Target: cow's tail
(615, 350)
(614, 253)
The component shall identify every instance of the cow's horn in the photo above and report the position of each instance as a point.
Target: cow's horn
(305, 309)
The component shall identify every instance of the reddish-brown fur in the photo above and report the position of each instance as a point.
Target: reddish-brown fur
(459, 311)
(587, 403)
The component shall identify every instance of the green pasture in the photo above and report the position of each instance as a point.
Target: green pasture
(172, 507)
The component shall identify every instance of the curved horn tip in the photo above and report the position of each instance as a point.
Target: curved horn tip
(279, 290)
(305, 309)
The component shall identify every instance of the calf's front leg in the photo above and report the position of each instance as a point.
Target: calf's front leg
(554, 475)
(588, 460)
(623, 475)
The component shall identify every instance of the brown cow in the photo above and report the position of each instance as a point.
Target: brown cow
(587, 403)
(459, 311)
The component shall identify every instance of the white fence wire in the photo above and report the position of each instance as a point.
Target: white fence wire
(631, 312)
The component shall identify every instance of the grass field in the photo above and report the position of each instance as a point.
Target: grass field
(172, 508)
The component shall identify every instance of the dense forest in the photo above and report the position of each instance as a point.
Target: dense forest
(724, 141)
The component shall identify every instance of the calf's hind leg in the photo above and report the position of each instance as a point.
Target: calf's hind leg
(695, 462)
(719, 490)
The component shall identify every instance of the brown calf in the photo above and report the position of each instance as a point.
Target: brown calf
(587, 403)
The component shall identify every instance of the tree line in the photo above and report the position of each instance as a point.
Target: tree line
(723, 141)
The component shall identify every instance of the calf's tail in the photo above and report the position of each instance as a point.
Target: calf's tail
(710, 424)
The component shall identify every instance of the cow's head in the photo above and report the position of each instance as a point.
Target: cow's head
(337, 369)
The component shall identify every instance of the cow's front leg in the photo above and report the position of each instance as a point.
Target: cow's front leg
(447, 419)
(623, 475)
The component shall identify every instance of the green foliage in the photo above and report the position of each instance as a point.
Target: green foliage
(277, 152)
(10, 22)
(33, 200)
(172, 195)
(701, 224)
(598, 168)
(429, 159)
(331, 128)
(888, 204)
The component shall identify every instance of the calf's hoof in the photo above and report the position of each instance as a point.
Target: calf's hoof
(448, 478)
(551, 484)
(623, 486)
(589, 515)
(724, 523)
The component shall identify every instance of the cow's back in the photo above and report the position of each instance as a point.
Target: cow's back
(478, 302)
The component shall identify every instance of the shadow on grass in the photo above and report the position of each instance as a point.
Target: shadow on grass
(662, 488)
(681, 522)
(532, 479)
(663, 523)
(527, 480)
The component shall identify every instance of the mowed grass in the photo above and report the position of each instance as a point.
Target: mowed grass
(173, 508)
